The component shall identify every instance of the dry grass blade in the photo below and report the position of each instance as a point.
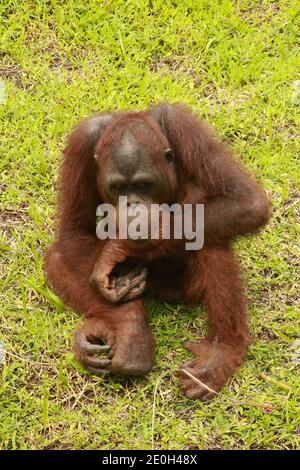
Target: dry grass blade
(198, 381)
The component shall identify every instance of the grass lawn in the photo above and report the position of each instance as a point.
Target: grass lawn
(236, 63)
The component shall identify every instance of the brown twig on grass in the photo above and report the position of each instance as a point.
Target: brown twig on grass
(267, 378)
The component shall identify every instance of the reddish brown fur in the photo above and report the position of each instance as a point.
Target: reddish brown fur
(234, 205)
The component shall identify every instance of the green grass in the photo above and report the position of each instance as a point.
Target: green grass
(235, 63)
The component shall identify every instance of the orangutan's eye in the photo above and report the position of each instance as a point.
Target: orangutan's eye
(169, 155)
(118, 187)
